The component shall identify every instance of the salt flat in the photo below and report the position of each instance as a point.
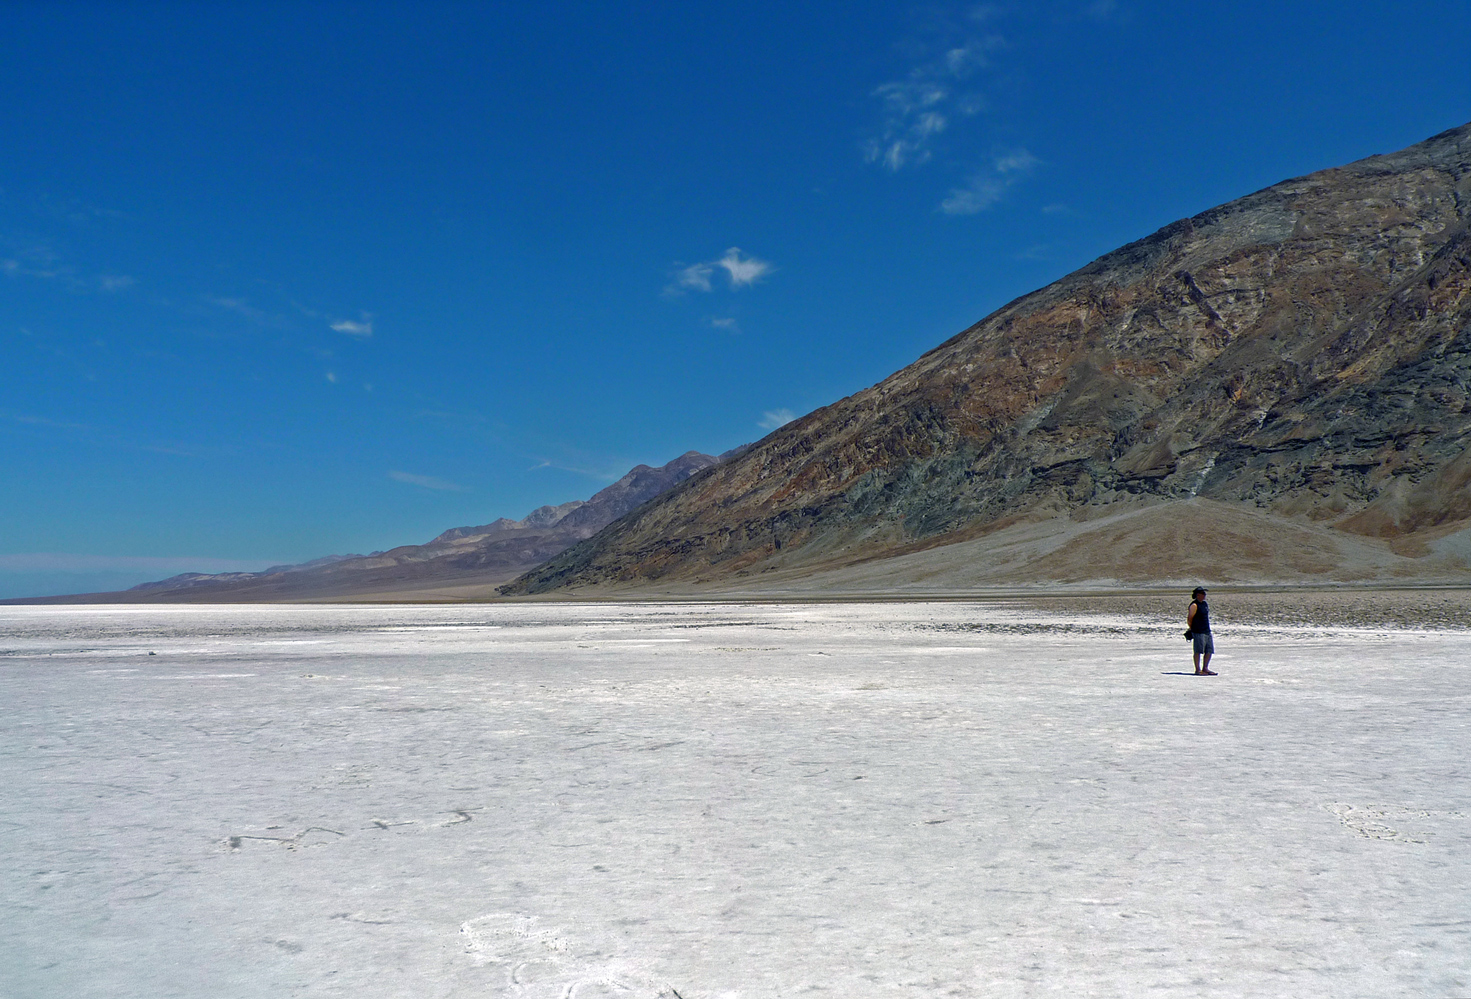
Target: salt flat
(727, 800)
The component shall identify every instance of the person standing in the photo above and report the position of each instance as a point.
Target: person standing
(1198, 621)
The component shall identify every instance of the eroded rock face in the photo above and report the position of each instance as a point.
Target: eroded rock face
(1305, 350)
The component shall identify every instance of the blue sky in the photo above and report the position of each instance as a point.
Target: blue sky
(284, 280)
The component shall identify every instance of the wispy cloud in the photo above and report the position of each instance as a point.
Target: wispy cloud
(41, 263)
(263, 317)
(67, 209)
(426, 482)
(456, 418)
(41, 421)
(14, 268)
(1017, 161)
(981, 193)
(726, 323)
(773, 418)
(602, 475)
(990, 185)
(912, 116)
(933, 95)
(84, 431)
(240, 307)
(65, 562)
(358, 329)
(695, 277)
(740, 272)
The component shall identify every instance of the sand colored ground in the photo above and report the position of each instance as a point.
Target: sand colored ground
(1164, 546)
(1167, 545)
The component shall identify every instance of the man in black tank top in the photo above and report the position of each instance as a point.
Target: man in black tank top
(1198, 620)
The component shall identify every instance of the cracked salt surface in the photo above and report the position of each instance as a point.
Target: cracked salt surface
(560, 801)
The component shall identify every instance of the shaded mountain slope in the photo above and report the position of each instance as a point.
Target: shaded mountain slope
(1304, 351)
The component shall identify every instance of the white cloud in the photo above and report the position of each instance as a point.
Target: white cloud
(1018, 161)
(239, 306)
(910, 121)
(426, 482)
(743, 272)
(990, 186)
(739, 271)
(981, 193)
(362, 329)
(973, 54)
(114, 282)
(332, 377)
(725, 323)
(926, 102)
(773, 418)
(695, 277)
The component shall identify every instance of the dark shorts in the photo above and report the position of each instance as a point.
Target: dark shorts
(1203, 643)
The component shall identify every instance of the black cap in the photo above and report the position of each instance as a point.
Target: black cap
(1197, 591)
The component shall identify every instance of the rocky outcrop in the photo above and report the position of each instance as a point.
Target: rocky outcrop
(1303, 351)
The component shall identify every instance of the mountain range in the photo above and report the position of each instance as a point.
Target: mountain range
(1275, 389)
(459, 563)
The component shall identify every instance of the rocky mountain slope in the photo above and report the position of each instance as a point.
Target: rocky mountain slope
(460, 557)
(1301, 354)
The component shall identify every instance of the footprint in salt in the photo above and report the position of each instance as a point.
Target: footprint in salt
(311, 836)
(540, 964)
(530, 956)
(1395, 823)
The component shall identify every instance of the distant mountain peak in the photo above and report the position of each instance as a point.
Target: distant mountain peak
(481, 555)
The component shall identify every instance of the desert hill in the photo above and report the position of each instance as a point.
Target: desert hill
(1273, 389)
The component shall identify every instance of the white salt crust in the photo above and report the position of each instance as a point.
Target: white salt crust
(852, 800)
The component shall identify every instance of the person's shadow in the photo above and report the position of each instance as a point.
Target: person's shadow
(1177, 673)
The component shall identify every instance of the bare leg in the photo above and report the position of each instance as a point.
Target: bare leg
(1206, 669)
(1197, 662)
